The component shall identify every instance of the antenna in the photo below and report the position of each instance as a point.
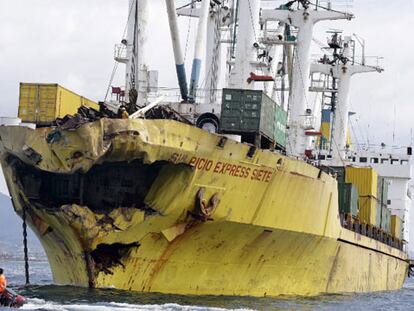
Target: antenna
(393, 130)
(361, 41)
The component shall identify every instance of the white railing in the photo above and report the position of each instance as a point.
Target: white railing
(120, 53)
(174, 95)
(342, 5)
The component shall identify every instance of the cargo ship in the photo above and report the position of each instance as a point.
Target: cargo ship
(239, 191)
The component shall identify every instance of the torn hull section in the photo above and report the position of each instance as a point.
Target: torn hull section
(104, 187)
(107, 256)
(90, 222)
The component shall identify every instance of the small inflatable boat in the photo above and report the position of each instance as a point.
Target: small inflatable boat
(11, 299)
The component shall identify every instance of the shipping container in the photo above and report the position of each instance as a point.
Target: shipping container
(365, 179)
(396, 226)
(348, 199)
(385, 218)
(252, 111)
(323, 140)
(325, 127)
(280, 126)
(42, 103)
(368, 210)
(378, 218)
(326, 116)
(339, 171)
(383, 185)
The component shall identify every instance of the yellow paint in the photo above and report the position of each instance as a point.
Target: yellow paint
(42, 103)
(396, 226)
(368, 210)
(365, 179)
(326, 134)
(273, 232)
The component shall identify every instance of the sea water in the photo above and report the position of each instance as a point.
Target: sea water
(43, 294)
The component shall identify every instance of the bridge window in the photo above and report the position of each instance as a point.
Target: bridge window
(363, 160)
(404, 162)
(384, 161)
(393, 161)
(374, 160)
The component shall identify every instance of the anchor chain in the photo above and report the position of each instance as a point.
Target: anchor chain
(26, 257)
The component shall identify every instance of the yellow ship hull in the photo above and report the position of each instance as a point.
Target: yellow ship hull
(208, 217)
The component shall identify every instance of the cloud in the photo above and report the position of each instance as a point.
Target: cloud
(382, 100)
(68, 42)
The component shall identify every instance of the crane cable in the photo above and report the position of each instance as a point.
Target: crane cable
(114, 69)
(188, 4)
(111, 79)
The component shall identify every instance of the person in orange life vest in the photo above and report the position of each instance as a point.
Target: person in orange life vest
(3, 282)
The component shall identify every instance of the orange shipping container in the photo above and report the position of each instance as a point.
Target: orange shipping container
(364, 178)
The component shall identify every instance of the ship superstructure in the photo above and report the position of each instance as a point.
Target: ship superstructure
(222, 191)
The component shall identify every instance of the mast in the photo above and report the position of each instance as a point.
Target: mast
(178, 54)
(213, 54)
(342, 70)
(247, 39)
(129, 42)
(136, 86)
(198, 50)
(276, 54)
(304, 19)
(218, 15)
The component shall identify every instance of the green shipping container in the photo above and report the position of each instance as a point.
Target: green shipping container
(379, 209)
(339, 172)
(252, 111)
(348, 199)
(385, 219)
(280, 126)
(383, 185)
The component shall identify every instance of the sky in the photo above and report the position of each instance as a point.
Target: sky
(71, 42)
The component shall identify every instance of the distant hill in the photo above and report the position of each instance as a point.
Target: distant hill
(11, 236)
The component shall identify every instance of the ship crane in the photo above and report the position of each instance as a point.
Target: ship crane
(300, 118)
(246, 46)
(136, 86)
(140, 82)
(215, 17)
(209, 38)
(178, 54)
(342, 67)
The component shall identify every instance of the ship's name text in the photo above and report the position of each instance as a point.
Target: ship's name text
(220, 167)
